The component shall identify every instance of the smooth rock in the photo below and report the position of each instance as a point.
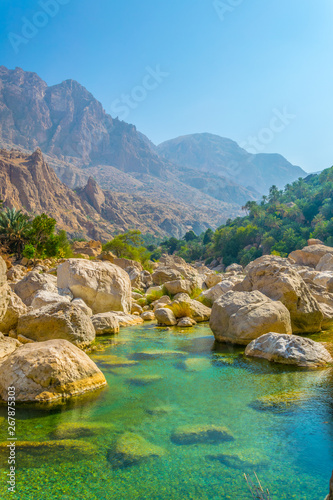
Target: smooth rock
(35, 282)
(58, 321)
(311, 255)
(48, 371)
(165, 317)
(105, 323)
(45, 298)
(289, 350)
(275, 277)
(103, 286)
(240, 317)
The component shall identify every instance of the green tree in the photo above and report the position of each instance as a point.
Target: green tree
(14, 227)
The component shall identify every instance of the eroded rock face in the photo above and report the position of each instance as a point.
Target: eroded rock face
(325, 263)
(91, 248)
(289, 350)
(276, 278)
(33, 283)
(103, 286)
(48, 371)
(58, 321)
(311, 255)
(240, 317)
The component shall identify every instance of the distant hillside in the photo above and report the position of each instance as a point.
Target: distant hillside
(27, 182)
(279, 224)
(223, 157)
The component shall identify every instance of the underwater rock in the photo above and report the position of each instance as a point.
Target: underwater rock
(76, 430)
(132, 449)
(241, 460)
(195, 364)
(144, 379)
(203, 434)
(160, 410)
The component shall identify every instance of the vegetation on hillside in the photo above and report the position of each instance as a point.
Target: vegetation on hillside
(31, 237)
(281, 222)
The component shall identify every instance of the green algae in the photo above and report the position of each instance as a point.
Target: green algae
(131, 449)
(76, 430)
(281, 400)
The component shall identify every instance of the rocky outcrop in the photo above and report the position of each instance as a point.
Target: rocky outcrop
(289, 350)
(103, 286)
(240, 317)
(87, 248)
(178, 286)
(311, 255)
(33, 283)
(48, 371)
(276, 278)
(58, 321)
(325, 263)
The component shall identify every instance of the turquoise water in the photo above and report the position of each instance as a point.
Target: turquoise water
(198, 383)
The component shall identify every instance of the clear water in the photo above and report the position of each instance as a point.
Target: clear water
(296, 441)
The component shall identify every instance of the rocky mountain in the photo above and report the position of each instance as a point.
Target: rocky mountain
(224, 157)
(80, 140)
(27, 182)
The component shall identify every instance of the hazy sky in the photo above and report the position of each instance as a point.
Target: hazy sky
(257, 71)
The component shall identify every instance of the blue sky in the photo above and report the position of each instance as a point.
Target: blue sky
(228, 68)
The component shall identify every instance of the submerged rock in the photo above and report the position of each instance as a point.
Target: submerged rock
(47, 371)
(158, 353)
(132, 449)
(240, 317)
(281, 401)
(203, 434)
(144, 379)
(160, 410)
(34, 454)
(290, 350)
(242, 460)
(195, 364)
(76, 430)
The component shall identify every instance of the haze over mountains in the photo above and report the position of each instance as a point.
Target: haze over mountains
(204, 177)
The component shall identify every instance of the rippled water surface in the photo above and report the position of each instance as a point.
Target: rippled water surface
(197, 383)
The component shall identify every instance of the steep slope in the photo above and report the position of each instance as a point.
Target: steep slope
(80, 139)
(223, 157)
(27, 182)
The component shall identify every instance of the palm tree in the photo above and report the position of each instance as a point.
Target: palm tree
(14, 225)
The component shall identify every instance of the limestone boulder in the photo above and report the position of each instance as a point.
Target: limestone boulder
(234, 268)
(57, 321)
(45, 298)
(290, 350)
(240, 317)
(103, 286)
(212, 279)
(14, 309)
(105, 324)
(311, 255)
(186, 322)
(148, 316)
(33, 283)
(7, 346)
(179, 286)
(123, 318)
(326, 263)
(164, 274)
(276, 278)
(48, 371)
(165, 317)
(83, 306)
(220, 289)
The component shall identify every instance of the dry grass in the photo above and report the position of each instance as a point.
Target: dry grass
(181, 309)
